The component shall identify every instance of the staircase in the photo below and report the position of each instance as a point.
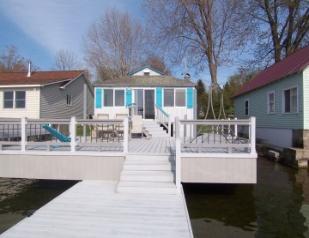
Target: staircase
(147, 174)
(154, 129)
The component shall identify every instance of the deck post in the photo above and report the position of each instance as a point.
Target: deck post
(178, 156)
(252, 134)
(125, 135)
(73, 133)
(236, 128)
(23, 134)
(169, 126)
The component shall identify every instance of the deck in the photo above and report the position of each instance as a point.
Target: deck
(94, 209)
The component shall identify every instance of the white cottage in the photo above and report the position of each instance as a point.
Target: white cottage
(150, 91)
(45, 94)
(146, 92)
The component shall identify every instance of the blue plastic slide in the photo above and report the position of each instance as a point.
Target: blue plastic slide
(61, 137)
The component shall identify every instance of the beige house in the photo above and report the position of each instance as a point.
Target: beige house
(45, 94)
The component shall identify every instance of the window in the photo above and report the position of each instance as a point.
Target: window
(271, 102)
(8, 99)
(146, 73)
(20, 99)
(168, 97)
(290, 100)
(119, 98)
(69, 100)
(108, 97)
(247, 107)
(180, 95)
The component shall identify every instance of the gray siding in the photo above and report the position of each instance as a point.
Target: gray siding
(258, 105)
(53, 100)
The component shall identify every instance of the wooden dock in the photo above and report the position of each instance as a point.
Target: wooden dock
(95, 209)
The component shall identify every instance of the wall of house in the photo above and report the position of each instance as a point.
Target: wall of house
(281, 124)
(32, 109)
(306, 97)
(188, 110)
(54, 101)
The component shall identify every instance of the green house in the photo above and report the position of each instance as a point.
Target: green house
(279, 99)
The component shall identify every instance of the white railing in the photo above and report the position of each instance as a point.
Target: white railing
(214, 138)
(164, 119)
(63, 135)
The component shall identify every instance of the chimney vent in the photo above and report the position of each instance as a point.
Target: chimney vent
(187, 76)
(29, 69)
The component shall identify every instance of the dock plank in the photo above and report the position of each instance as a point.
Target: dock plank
(94, 209)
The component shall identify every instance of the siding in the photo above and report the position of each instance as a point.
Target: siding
(53, 100)
(306, 97)
(32, 109)
(258, 105)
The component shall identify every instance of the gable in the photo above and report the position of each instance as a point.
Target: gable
(145, 71)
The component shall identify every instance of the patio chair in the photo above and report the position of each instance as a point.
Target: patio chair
(137, 125)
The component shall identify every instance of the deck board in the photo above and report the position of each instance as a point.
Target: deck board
(94, 209)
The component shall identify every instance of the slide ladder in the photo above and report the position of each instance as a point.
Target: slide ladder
(61, 137)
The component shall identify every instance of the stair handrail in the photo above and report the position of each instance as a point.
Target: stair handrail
(163, 118)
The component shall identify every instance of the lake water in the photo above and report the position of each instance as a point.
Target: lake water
(21, 197)
(277, 207)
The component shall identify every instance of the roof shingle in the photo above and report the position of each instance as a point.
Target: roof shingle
(288, 66)
(37, 77)
(146, 81)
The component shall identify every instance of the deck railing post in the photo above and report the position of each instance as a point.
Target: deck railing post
(169, 126)
(125, 135)
(23, 134)
(178, 154)
(236, 127)
(252, 134)
(73, 133)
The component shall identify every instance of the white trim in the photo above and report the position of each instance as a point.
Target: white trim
(283, 100)
(21, 86)
(247, 100)
(267, 101)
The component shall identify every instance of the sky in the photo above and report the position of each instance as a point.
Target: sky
(40, 28)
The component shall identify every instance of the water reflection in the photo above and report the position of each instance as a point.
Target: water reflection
(276, 207)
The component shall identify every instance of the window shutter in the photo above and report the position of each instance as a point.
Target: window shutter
(189, 97)
(159, 97)
(98, 97)
(128, 97)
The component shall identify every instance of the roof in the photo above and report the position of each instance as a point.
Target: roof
(144, 67)
(292, 64)
(38, 77)
(146, 81)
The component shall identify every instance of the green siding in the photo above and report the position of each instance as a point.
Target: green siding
(258, 105)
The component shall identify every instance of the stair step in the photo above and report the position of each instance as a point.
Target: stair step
(146, 187)
(153, 176)
(149, 167)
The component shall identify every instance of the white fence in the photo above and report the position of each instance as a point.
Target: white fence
(63, 135)
(214, 139)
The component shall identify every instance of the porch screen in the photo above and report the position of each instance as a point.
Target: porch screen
(168, 97)
(180, 97)
(108, 97)
(119, 98)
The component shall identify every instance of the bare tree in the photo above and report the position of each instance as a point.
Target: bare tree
(158, 63)
(11, 61)
(66, 60)
(204, 31)
(282, 27)
(115, 44)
